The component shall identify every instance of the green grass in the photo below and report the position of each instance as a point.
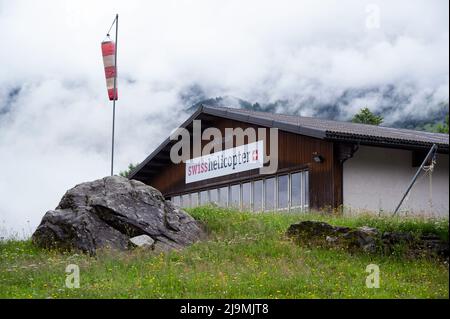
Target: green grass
(246, 256)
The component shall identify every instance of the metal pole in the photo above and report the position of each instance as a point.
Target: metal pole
(432, 150)
(114, 97)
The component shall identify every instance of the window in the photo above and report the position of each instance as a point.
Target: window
(269, 194)
(257, 195)
(281, 192)
(223, 196)
(176, 200)
(247, 196)
(283, 195)
(185, 201)
(235, 196)
(296, 189)
(204, 198)
(194, 199)
(214, 196)
(306, 188)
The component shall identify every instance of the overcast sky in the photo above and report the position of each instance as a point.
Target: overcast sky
(55, 119)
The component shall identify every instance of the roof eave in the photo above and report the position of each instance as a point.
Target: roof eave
(163, 144)
(383, 141)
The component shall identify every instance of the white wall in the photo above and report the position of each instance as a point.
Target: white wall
(375, 179)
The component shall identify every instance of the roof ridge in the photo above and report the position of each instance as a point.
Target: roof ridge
(296, 116)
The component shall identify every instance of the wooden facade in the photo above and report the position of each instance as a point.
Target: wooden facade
(295, 152)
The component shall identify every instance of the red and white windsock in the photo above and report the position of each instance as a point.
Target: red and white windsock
(108, 52)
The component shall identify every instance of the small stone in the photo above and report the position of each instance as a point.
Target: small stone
(142, 241)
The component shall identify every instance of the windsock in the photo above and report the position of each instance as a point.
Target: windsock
(108, 52)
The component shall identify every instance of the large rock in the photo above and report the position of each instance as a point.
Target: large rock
(314, 230)
(367, 239)
(310, 231)
(106, 213)
(362, 238)
(434, 244)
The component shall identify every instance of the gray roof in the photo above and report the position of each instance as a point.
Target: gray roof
(338, 130)
(315, 127)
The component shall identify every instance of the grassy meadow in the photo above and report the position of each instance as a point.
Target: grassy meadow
(246, 256)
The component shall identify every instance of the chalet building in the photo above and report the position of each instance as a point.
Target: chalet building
(322, 164)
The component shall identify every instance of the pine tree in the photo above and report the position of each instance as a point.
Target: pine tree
(442, 127)
(127, 172)
(365, 116)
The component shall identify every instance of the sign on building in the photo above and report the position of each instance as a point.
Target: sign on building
(230, 161)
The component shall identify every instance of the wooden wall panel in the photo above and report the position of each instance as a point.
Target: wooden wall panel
(295, 152)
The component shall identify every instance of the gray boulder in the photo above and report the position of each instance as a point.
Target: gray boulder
(314, 230)
(362, 238)
(435, 244)
(106, 213)
(395, 238)
(367, 239)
